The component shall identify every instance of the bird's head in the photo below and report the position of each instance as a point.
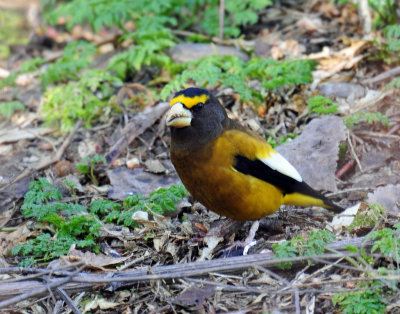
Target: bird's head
(196, 109)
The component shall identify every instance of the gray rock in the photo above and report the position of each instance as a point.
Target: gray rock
(314, 152)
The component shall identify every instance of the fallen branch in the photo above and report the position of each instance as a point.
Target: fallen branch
(78, 281)
(136, 126)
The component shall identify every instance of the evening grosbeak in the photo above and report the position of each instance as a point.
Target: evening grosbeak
(227, 167)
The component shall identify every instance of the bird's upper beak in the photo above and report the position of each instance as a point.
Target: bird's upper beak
(178, 116)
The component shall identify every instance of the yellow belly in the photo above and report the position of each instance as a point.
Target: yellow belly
(210, 177)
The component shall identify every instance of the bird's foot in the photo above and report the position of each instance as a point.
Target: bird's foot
(247, 243)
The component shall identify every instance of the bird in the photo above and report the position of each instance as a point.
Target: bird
(228, 168)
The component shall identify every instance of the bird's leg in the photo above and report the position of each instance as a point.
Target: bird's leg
(221, 229)
(248, 242)
(227, 227)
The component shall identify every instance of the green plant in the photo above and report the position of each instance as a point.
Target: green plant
(201, 14)
(158, 202)
(86, 99)
(42, 199)
(71, 223)
(287, 249)
(395, 83)
(44, 203)
(322, 105)
(315, 245)
(9, 80)
(232, 72)
(385, 12)
(88, 164)
(27, 66)
(360, 302)
(154, 22)
(12, 31)
(316, 242)
(76, 57)
(238, 13)
(389, 47)
(387, 241)
(31, 65)
(368, 218)
(368, 117)
(8, 108)
(149, 41)
(276, 142)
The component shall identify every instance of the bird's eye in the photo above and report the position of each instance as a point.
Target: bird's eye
(199, 106)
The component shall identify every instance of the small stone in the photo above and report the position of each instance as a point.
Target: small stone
(86, 148)
(154, 166)
(46, 146)
(133, 163)
(63, 168)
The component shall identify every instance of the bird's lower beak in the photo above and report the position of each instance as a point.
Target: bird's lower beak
(178, 116)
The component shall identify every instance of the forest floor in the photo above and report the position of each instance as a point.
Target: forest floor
(76, 236)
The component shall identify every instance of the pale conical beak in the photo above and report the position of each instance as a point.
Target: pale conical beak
(178, 116)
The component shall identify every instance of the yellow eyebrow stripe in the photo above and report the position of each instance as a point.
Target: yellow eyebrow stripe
(189, 102)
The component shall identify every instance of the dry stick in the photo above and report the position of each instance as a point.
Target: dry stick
(68, 300)
(49, 161)
(383, 76)
(163, 272)
(136, 126)
(37, 272)
(221, 19)
(353, 152)
(55, 283)
(58, 307)
(199, 268)
(363, 10)
(172, 271)
(379, 135)
(281, 279)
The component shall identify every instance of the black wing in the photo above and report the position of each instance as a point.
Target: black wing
(288, 185)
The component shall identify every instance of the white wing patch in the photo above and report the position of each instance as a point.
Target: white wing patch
(277, 162)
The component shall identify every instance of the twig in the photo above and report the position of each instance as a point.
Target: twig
(36, 272)
(344, 281)
(55, 283)
(383, 76)
(343, 170)
(353, 153)
(58, 307)
(347, 191)
(68, 300)
(136, 126)
(200, 268)
(363, 10)
(221, 19)
(379, 135)
(75, 281)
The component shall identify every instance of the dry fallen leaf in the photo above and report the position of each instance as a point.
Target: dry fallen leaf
(332, 62)
(344, 219)
(212, 242)
(194, 295)
(92, 260)
(10, 239)
(101, 304)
